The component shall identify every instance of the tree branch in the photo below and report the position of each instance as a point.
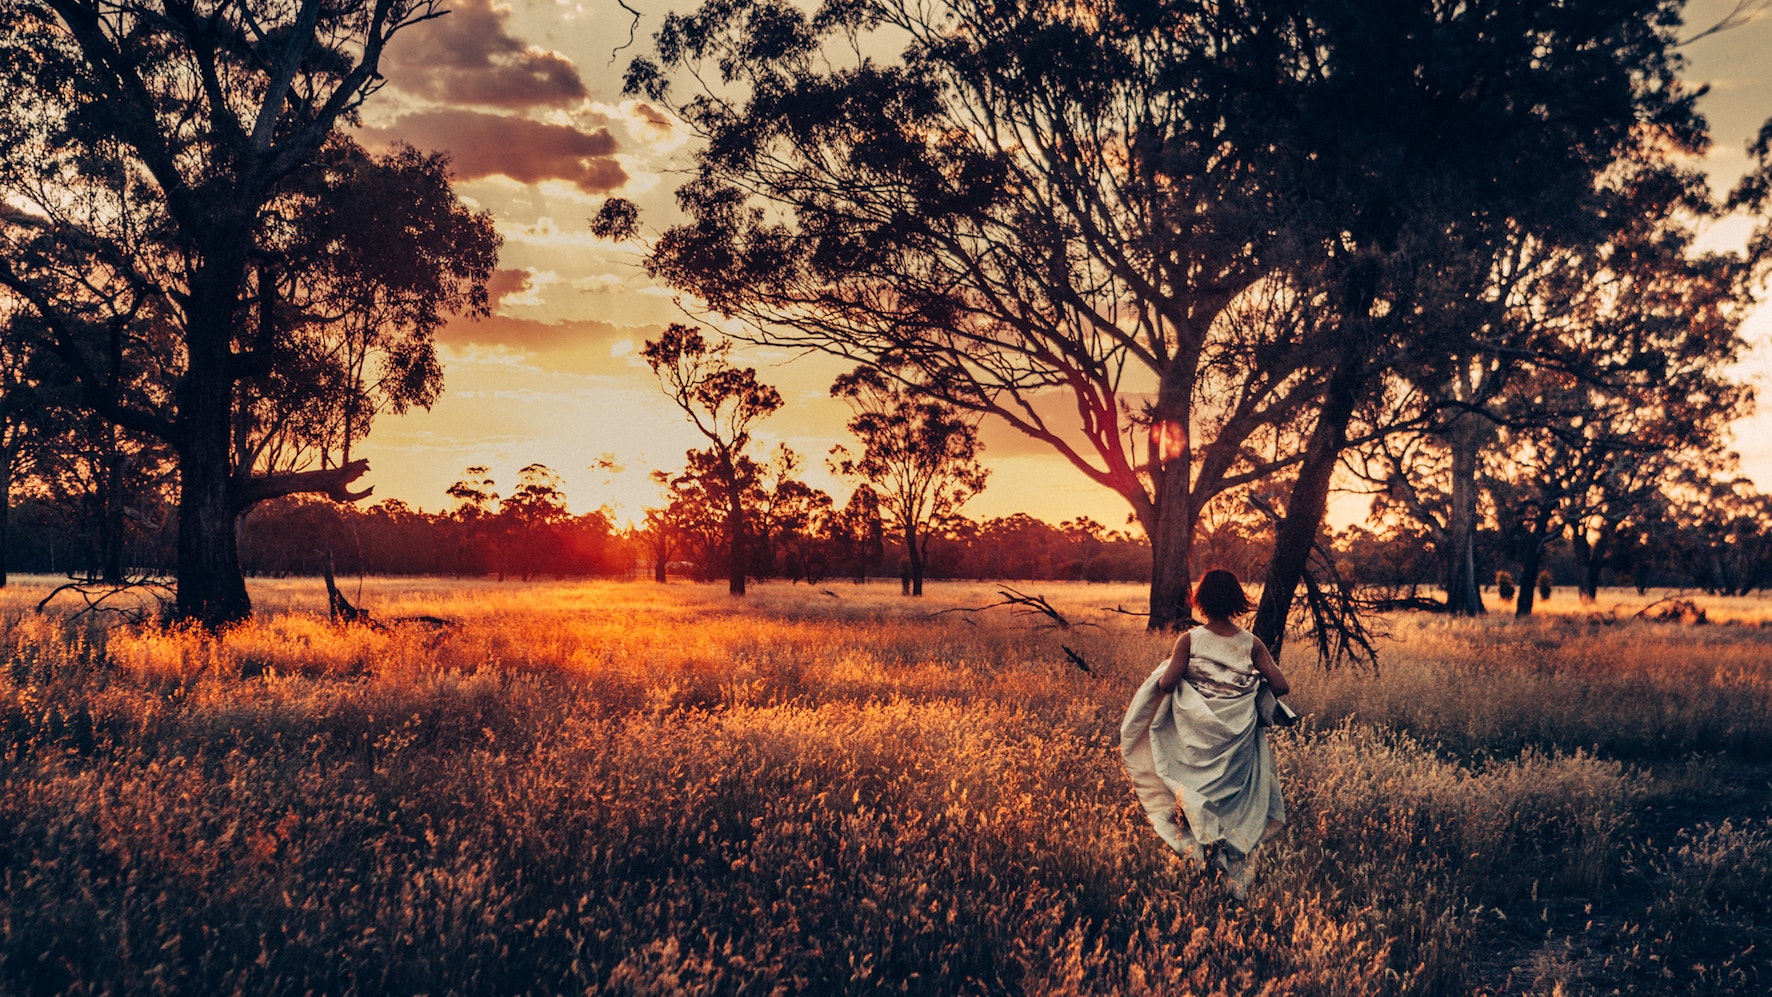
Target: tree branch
(332, 482)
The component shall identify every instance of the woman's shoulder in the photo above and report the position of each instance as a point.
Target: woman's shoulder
(1237, 634)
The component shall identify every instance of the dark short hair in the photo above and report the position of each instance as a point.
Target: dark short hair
(1220, 595)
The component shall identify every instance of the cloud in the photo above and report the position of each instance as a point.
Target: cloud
(471, 57)
(485, 145)
(544, 231)
(506, 283)
(653, 117)
(572, 346)
(528, 293)
(603, 283)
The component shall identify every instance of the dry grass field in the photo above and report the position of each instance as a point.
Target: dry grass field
(624, 788)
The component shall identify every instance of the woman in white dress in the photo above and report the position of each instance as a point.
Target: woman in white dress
(1192, 737)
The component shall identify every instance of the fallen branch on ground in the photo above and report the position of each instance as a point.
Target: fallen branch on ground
(1024, 605)
(97, 593)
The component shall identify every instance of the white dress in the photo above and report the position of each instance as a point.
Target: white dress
(1201, 745)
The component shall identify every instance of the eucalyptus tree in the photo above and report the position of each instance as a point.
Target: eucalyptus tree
(1030, 213)
(1599, 367)
(1593, 479)
(528, 522)
(724, 402)
(162, 163)
(1068, 216)
(1725, 535)
(920, 454)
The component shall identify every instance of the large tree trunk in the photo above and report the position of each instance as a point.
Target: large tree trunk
(1171, 453)
(1309, 500)
(211, 588)
(1464, 594)
(735, 536)
(914, 554)
(1528, 586)
(6, 456)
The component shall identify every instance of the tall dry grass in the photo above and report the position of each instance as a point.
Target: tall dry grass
(636, 789)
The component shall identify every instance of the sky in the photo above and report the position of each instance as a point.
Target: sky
(525, 95)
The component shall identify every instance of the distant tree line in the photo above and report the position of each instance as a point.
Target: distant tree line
(1709, 536)
(798, 534)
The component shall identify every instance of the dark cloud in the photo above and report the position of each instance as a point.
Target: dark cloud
(505, 283)
(652, 116)
(470, 57)
(483, 145)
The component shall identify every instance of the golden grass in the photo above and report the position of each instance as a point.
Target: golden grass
(639, 789)
(1621, 603)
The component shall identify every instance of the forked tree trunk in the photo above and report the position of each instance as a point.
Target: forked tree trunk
(1297, 532)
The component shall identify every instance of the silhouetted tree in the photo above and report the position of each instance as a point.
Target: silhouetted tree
(859, 534)
(1039, 197)
(658, 533)
(1726, 541)
(723, 402)
(794, 519)
(476, 498)
(163, 160)
(697, 508)
(920, 454)
(527, 522)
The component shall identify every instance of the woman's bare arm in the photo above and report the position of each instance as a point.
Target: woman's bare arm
(1177, 664)
(1270, 669)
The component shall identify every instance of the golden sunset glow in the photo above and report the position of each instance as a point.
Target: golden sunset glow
(951, 498)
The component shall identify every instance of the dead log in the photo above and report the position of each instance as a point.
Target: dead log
(338, 608)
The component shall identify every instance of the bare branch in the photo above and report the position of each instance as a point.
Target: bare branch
(332, 482)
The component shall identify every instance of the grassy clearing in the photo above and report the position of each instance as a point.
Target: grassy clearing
(634, 789)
